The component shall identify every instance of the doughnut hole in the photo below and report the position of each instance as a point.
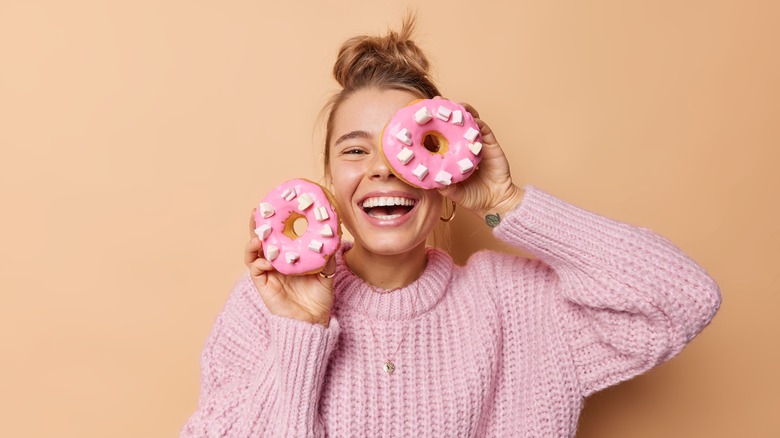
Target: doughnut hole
(435, 143)
(295, 226)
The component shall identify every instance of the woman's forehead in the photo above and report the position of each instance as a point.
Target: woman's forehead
(368, 110)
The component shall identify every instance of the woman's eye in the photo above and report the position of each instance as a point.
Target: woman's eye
(354, 151)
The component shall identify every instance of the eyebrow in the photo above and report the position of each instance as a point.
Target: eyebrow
(351, 135)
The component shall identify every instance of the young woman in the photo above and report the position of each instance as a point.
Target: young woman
(395, 340)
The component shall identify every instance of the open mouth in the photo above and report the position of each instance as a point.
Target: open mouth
(387, 207)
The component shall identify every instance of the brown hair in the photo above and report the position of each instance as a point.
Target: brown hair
(392, 61)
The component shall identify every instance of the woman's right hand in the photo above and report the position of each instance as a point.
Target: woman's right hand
(303, 297)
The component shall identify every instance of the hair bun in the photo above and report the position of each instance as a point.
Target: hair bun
(363, 58)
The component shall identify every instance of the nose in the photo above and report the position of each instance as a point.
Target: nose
(379, 168)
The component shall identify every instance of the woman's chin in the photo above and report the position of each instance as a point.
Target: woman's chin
(389, 246)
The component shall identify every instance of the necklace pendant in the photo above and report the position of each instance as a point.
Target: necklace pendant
(389, 367)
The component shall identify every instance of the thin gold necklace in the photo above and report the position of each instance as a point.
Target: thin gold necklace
(389, 366)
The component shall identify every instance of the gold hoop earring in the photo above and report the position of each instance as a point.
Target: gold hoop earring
(452, 215)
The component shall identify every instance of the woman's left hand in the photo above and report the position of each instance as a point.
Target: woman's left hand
(489, 190)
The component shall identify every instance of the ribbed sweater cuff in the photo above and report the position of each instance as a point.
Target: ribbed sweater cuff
(302, 351)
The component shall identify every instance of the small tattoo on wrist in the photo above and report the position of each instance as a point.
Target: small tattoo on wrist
(493, 220)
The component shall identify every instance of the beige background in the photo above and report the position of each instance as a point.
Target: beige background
(137, 135)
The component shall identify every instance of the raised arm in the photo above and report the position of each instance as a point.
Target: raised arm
(631, 299)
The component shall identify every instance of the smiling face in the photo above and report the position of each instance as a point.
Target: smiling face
(385, 215)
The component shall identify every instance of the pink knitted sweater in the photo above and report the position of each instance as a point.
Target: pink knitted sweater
(504, 346)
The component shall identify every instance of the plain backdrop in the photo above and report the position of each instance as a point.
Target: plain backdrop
(138, 135)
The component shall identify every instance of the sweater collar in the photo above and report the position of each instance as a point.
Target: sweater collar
(353, 295)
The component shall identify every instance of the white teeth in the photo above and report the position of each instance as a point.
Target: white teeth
(384, 201)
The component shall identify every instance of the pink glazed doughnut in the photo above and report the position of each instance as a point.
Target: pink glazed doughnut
(288, 252)
(432, 143)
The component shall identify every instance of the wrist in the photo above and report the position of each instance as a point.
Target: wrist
(322, 319)
(313, 319)
(506, 203)
(308, 318)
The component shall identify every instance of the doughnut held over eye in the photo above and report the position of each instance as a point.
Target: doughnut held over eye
(432, 143)
(303, 229)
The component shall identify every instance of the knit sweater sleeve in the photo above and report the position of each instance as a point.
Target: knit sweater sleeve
(629, 298)
(261, 374)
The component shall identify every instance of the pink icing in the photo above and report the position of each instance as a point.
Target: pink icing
(454, 133)
(309, 260)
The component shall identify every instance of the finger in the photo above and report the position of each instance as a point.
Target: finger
(487, 134)
(252, 251)
(252, 224)
(326, 275)
(259, 276)
(453, 192)
(470, 109)
(260, 267)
